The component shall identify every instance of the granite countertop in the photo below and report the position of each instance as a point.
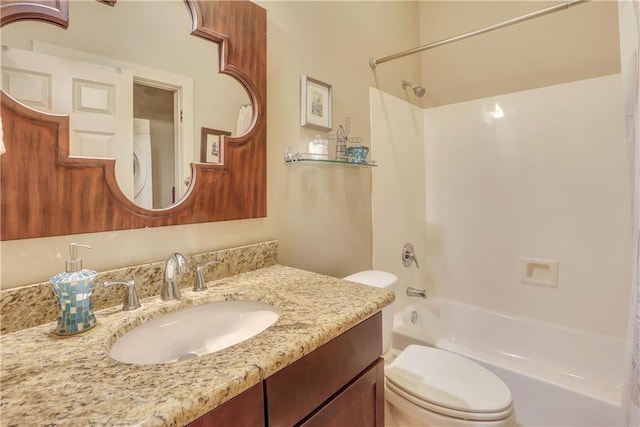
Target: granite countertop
(52, 380)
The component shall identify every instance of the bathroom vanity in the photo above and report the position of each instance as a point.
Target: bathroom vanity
(340, 383)
(318, 364)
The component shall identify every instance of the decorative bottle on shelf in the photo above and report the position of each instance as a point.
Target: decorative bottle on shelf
(341, 144)
(74, 289)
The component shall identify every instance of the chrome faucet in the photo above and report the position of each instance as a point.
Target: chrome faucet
(414, 292)
(175, 265)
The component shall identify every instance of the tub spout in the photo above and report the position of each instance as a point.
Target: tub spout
(413, 292)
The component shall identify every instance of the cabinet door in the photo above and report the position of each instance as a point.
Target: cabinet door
(359, 404)
(300, 388)
(244, 410)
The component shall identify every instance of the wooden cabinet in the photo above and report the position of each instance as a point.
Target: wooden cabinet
(244, 410)
(305, 385)
(340, 383)
(361, 403)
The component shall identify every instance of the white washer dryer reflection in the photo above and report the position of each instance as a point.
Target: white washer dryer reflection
(142, 166)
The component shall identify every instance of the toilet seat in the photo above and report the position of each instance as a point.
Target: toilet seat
(448, 384)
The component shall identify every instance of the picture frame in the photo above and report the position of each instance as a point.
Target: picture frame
(316, 109)
(212, 146)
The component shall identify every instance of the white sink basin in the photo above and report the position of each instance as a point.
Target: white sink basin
(193, 331)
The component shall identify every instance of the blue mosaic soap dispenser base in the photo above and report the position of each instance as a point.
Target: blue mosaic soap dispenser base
(74, 289)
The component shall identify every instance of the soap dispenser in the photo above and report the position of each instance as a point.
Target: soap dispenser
(73, 290)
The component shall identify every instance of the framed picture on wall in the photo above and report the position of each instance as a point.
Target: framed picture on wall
(315, 106)
(211, 146)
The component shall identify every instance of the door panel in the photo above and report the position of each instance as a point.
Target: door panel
(98, 100)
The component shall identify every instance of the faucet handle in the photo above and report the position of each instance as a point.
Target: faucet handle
(409, 256)
(199, 285)
(131, 301)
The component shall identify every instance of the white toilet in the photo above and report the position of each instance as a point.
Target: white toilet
(426, 386)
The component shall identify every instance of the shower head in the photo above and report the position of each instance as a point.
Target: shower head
(419, 91)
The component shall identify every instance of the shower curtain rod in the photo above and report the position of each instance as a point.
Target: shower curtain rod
(373, 63)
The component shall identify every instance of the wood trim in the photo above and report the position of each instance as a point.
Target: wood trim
(53, 11)
(379, 390)
(44, 192)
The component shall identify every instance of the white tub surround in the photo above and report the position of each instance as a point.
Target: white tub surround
(539, 174)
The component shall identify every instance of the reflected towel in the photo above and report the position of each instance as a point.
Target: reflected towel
(245, 115)
(2, 149)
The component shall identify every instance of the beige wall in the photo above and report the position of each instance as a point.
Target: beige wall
(323, 214)
(569, 45)
(320, 215)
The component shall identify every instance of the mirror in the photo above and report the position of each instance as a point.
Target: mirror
(46, 191)
(138, 88)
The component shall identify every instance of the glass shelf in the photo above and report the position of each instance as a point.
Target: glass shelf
(306, 158)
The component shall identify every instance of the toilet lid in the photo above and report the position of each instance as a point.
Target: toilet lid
(438, 377)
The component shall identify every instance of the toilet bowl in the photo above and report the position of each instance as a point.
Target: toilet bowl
(426, 386)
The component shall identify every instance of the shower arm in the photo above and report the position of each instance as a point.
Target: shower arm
(373, 62)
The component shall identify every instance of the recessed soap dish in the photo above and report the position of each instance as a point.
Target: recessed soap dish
(539, 272)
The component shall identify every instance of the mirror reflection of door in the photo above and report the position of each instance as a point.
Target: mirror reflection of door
(125, 40)
(97, 98)
(158, 107)
(102, 102)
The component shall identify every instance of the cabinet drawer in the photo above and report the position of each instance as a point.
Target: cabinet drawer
(360, 404)
(305, 385)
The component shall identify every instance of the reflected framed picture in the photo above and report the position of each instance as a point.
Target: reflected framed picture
(316, 104)
(212, 146)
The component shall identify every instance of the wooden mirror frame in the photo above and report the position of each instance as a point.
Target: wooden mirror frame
(45, 192)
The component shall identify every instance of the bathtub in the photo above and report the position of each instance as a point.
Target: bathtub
(557, 376)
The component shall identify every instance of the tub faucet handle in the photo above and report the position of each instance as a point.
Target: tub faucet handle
(409, 255)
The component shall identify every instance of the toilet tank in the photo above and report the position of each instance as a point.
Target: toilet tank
(384, 280)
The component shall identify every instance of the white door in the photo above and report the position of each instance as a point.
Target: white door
(182, 86)
(97, 98)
